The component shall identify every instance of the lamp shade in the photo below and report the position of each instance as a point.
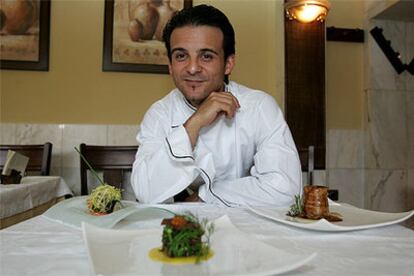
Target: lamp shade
(307, 11)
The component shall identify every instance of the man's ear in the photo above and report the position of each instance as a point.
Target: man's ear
(230, 62)
(169, 68)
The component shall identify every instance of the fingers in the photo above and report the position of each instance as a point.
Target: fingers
(217, 104)
(227, 96)
(224, 103)
(235, 100)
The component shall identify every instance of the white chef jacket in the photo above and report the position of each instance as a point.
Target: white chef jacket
(248, 160)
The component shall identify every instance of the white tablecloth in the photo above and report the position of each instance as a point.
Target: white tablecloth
(40, 246)
(31, 192)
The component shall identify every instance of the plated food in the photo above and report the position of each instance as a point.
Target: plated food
(128, 251)
(104, 200)
(185, 239)
(314, 205)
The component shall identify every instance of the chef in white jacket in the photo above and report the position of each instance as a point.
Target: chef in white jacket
(211, 139)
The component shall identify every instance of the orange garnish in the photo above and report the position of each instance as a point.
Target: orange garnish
(93, 213)
(178, 222)
(97, 213)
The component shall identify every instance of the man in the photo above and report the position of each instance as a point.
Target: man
(221, 142)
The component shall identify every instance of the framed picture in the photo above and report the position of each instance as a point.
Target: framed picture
(24, 35)
(133, 34)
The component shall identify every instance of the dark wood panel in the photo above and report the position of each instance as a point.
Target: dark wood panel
(344, 34)
(40, 156)
(305, 85)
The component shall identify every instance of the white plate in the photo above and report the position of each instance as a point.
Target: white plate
(122, 252)
(353, 218)
(73, 212)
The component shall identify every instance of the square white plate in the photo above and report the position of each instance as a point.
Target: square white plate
(353, 218)
(125, 252)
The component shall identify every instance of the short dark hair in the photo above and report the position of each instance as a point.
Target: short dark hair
(202, 15)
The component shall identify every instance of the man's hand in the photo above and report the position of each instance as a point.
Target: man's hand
(193, 198)
(216, 104)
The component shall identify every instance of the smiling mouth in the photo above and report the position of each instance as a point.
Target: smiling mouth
(194, 83)
(194, 80)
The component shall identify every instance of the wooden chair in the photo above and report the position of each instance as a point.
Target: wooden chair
(40, 156)
(307, 161)
(112, 160)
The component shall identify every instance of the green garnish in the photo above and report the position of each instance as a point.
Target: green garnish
(185, 235)
(90, 167)
(103, 198)
(296, 209)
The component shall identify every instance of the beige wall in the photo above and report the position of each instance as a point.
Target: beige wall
(75, 90)
(344, 68)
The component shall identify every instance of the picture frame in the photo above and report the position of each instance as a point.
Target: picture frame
(120, 52)
(27, 47)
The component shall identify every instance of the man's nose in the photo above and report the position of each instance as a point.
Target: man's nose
(193, 66)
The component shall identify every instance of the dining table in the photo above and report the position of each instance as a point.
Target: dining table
(51, 245)
(31, 197)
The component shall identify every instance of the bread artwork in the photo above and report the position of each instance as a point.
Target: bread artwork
(185, 239)
(314, 205)
(147, 18)
(17, 17)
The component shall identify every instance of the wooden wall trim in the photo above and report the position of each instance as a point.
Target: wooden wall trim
(305, 85)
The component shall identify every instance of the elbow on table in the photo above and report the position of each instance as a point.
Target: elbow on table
(143, 192)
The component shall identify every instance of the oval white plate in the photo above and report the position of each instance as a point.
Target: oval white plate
(353, 218)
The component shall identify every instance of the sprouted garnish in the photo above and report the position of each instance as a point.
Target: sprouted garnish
(103, 199)
(313, 209)
(186, 235)
(296, 209)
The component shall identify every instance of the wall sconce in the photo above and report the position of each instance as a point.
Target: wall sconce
(307, 11)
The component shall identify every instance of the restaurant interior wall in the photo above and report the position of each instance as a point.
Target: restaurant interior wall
(87, 105)
(344, 105)
(77, 91)
(389, 112)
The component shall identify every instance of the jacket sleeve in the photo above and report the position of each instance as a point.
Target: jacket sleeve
(164, 163)
(275, 176)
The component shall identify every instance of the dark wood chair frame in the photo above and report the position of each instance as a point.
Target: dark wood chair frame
(307, 161)
(112, 160)
(40, 156)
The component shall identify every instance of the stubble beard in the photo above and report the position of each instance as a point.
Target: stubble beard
(196, 102)
(199, 97)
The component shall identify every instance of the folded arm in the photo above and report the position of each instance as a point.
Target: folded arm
(164, 164)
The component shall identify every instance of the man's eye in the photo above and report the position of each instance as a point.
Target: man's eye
(207, 57)
(180, 56)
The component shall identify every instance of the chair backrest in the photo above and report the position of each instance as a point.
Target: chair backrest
(307, 161)
(112, 160)
(40, 156)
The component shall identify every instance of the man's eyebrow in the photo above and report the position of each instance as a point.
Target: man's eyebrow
(178, 49)
(208, 50)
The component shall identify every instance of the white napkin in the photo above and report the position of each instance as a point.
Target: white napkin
(15, 161)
